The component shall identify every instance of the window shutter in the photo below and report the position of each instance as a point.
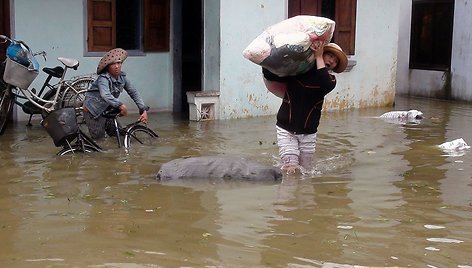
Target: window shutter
(304, 7)
(345, 17)
(156, 25)
(101, 25)
(293, 8)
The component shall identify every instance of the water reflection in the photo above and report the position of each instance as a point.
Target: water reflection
(382, 194)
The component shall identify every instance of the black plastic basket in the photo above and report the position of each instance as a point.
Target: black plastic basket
(62, 126)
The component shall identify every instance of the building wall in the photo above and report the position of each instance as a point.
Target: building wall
(462, 52)
(211, 45)
(435, 84)
(58, 27)
(413, 82)
(371, 82)
(242, 92)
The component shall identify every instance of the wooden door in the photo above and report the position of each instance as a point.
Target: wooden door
(4, 24)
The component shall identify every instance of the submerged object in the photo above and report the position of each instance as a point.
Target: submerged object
(457, 144)
(220, 167)
(413, 116)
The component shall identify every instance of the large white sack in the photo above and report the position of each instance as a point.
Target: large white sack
(284, 48)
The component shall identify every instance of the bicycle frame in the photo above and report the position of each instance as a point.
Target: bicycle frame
(84, 143)
(127, 131)
(47, 105)
(44, 104)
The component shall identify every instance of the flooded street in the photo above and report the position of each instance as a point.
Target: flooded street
(382, 194)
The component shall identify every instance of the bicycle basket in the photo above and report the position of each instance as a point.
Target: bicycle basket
(62, 126)
(18, 75)
(21, 67)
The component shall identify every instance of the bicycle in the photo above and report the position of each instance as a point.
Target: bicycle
(16, 78)
(74, 95)
(74, 140)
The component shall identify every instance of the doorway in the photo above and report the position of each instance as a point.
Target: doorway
(192, 39)
(4, 25)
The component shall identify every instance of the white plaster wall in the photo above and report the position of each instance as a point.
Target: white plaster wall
(243, 93)
(211, 45)
(402, 83)
(424, 83)
(58, 27)
(371, 82)
(461, 64)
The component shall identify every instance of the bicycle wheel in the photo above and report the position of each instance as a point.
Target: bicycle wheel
(75, 95)
(77, 148)
(139, 134)
(6, 103)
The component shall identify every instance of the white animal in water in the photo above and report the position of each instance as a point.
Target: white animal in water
(403, 116)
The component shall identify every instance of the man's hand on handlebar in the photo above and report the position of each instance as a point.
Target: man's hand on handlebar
(143, 117)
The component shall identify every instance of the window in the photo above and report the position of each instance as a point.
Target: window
(129, 24)
(343, 12)
(431, 34)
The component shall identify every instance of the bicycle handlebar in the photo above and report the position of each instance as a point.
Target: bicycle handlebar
(42, 53)
(4, 38)
(112, 112)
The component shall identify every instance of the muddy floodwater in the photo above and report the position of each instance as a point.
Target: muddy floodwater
(382, 194)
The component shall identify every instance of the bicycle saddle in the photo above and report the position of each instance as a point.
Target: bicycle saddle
(111, 112)
(56, 71)
(71, 63)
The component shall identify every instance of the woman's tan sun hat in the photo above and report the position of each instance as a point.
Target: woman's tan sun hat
(112, 56)
(338, 52)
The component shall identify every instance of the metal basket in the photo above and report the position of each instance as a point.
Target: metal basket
(18, 75)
